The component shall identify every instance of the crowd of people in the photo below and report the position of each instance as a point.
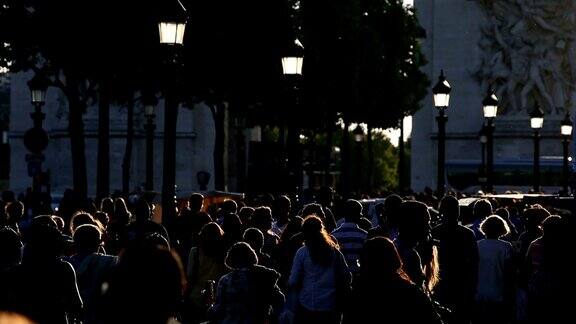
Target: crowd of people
(270, 260)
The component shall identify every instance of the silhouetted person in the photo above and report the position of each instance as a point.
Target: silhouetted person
(384, 293)
(388, 223)
(255, 239)
(245, 215)
(495, 273)
(249, 293)
(318, 210)
(282, 210)
(205, 262)
(92, 268)
(350, 236)
(10, 249)
(233, 230)
(117, 231)
(226, 208)
(187, 227)
(144, 226)
(550, 282)
(262, 220)
(325, 197)
(458, 258)
(14, 212)
(146, 286)
(43, 287)
(319, 275)
(107, 206)
(414, 244)
(482, 209)
(533, 218)
(290, 241)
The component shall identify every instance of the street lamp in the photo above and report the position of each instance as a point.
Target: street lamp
(490, 109)
(482, 174)
(293, 60)
(292, 63)
(441, 92)
(358, 134)
(149, 101)
(536, 123)
(171, 29)
(36, 138)
(566, 131)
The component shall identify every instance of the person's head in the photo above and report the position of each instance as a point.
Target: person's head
(245, 214)
(283, 208)
(87, 238)
(353, 211)
(210, 239)
(45, 220)
(107, 206)
(80, 218)
(229, 207)
(293, 227)
(121, 213)
(142, 210)
(317, 240)
(380, 259)
(262, 219)
(103, 218)
(59, 222)
(241, 255)
(196, 202)
(325, 196)
(482, 209)
(554, 228)
(14, 211)
(391, 210)
(534, 216)
(232, 227)
(494, 227)
(254, 238)
(414, 224)
(44, 243)
(503, 212)
(151, 278)
(450, 209)
(10, 248)
(313, 209)
(201, 219)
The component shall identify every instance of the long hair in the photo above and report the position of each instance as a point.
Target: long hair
(211, 240)
(380, 259)
(121, 213)
(319, 243)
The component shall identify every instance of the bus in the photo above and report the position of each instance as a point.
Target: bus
(509, 174)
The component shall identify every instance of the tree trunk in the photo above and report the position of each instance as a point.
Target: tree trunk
(219, 115)
(76, 109)
(370, 144)
(329, 141)
(345, 166)
(103, 167)
(126, 163)
(169, 161)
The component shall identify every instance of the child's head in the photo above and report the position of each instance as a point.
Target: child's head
(494, 227)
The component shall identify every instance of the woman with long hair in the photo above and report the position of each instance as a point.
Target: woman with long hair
(205, 262)
(382, 283)
(319, 275)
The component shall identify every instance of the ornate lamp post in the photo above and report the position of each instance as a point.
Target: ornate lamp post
(292, 64)
(441, 92)
(536, 123)
(36, 138)
(566, 131)
(171, 29)
(482, 173)
(490, 109)
(149, 101)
